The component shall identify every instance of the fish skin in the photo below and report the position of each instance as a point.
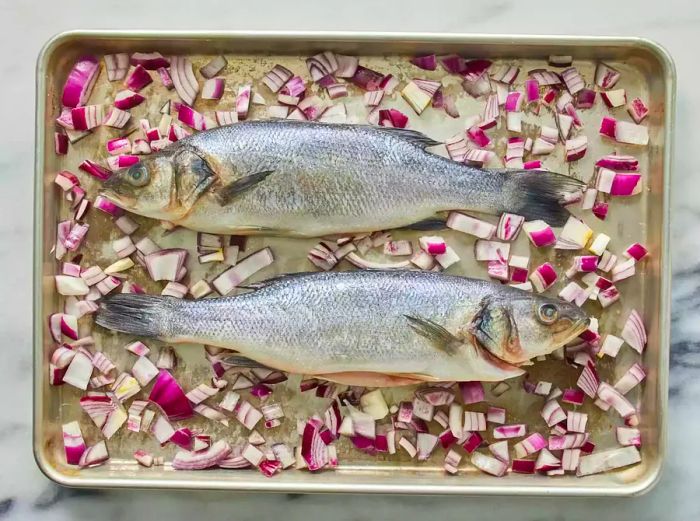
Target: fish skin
(326, 179)
(325, 323)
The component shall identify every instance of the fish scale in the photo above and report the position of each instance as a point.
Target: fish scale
(326, 323)
(325, 179)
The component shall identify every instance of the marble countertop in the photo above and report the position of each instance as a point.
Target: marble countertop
(24, 26)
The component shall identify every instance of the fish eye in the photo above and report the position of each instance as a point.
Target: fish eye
(547, 313)
(138, 175)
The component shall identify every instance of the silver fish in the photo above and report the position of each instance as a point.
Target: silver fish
(298, 178)
(376, 328)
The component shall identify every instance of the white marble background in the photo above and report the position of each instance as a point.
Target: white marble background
(25, 25)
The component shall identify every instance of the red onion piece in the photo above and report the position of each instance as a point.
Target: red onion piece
(277, 77)
(347, 65)
(367, 79)
(472, 392)
(150, 61)
(165, 264)
(470, 225)
(168, 394)
(73, 442)
(95, 170)
(243, 101)
(523, 466)
(213, 67)
(605, 76)
(589, 381)
(489, 465)
(585, 98)
(138, 79)
(94, 456)
(167, 82)
(211, 457)
(184, 80)
(191, 118)
(80, 81)
(116, 65)
(530, 445)
(503, 432)
(116, 118)
(426, 62)
(392, 118)
(607, 460)
(126, 100)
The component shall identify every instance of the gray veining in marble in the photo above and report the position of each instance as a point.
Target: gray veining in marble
(24, 25)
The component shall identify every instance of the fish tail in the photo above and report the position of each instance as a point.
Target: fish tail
(140, 315)
(538, 194)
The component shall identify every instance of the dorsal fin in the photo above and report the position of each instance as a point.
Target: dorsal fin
(273, 280)
(412, 136)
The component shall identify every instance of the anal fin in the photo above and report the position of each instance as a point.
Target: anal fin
(370, 379)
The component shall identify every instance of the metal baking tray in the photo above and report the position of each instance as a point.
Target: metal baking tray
(648, 71)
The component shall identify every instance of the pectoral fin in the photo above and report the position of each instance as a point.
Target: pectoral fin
(440, 337)
(237, 187)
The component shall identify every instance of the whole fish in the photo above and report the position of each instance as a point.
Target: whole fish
(308, 179)
(377, 328)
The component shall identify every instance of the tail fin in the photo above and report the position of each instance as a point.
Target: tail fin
(538, 194)
(140, 315)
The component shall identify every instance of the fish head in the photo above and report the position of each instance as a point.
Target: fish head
(163, 186)
(518, 328)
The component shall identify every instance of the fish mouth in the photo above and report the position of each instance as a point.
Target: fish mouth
(577, 327)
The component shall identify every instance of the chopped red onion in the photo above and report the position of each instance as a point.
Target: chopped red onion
(277, 77)
(632, 377)
(509, 431)
(116, 65)
(211, 457)
(628, 436)
(605, 76)
(539, 233)
(472, 392)
(366, 79)
(614, 98)
(530, 445)
(634, 332)
(509, 226)
(470, 225)
(392, 118)
(636, 251)
(191, 118)
(337, 90)
(116, 118)
(126, 100)
(80, 81)
(95, 170)
(506, 74)
(606, 460)
(138, 79)
(213, 67)
(426, 62)
(73, 442)
(474, 421)
(575, 422)
(248, 415)
(576, 148)
(347, 65)
(489, 465)
(87, 117)
(94, 456)
(184, 79)
(573, 80)
(477, 85)
(543, 277)
(168, 394)
(165, 264)
(60, 140)
(523, 466)
(120, 145)
(638, 110)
